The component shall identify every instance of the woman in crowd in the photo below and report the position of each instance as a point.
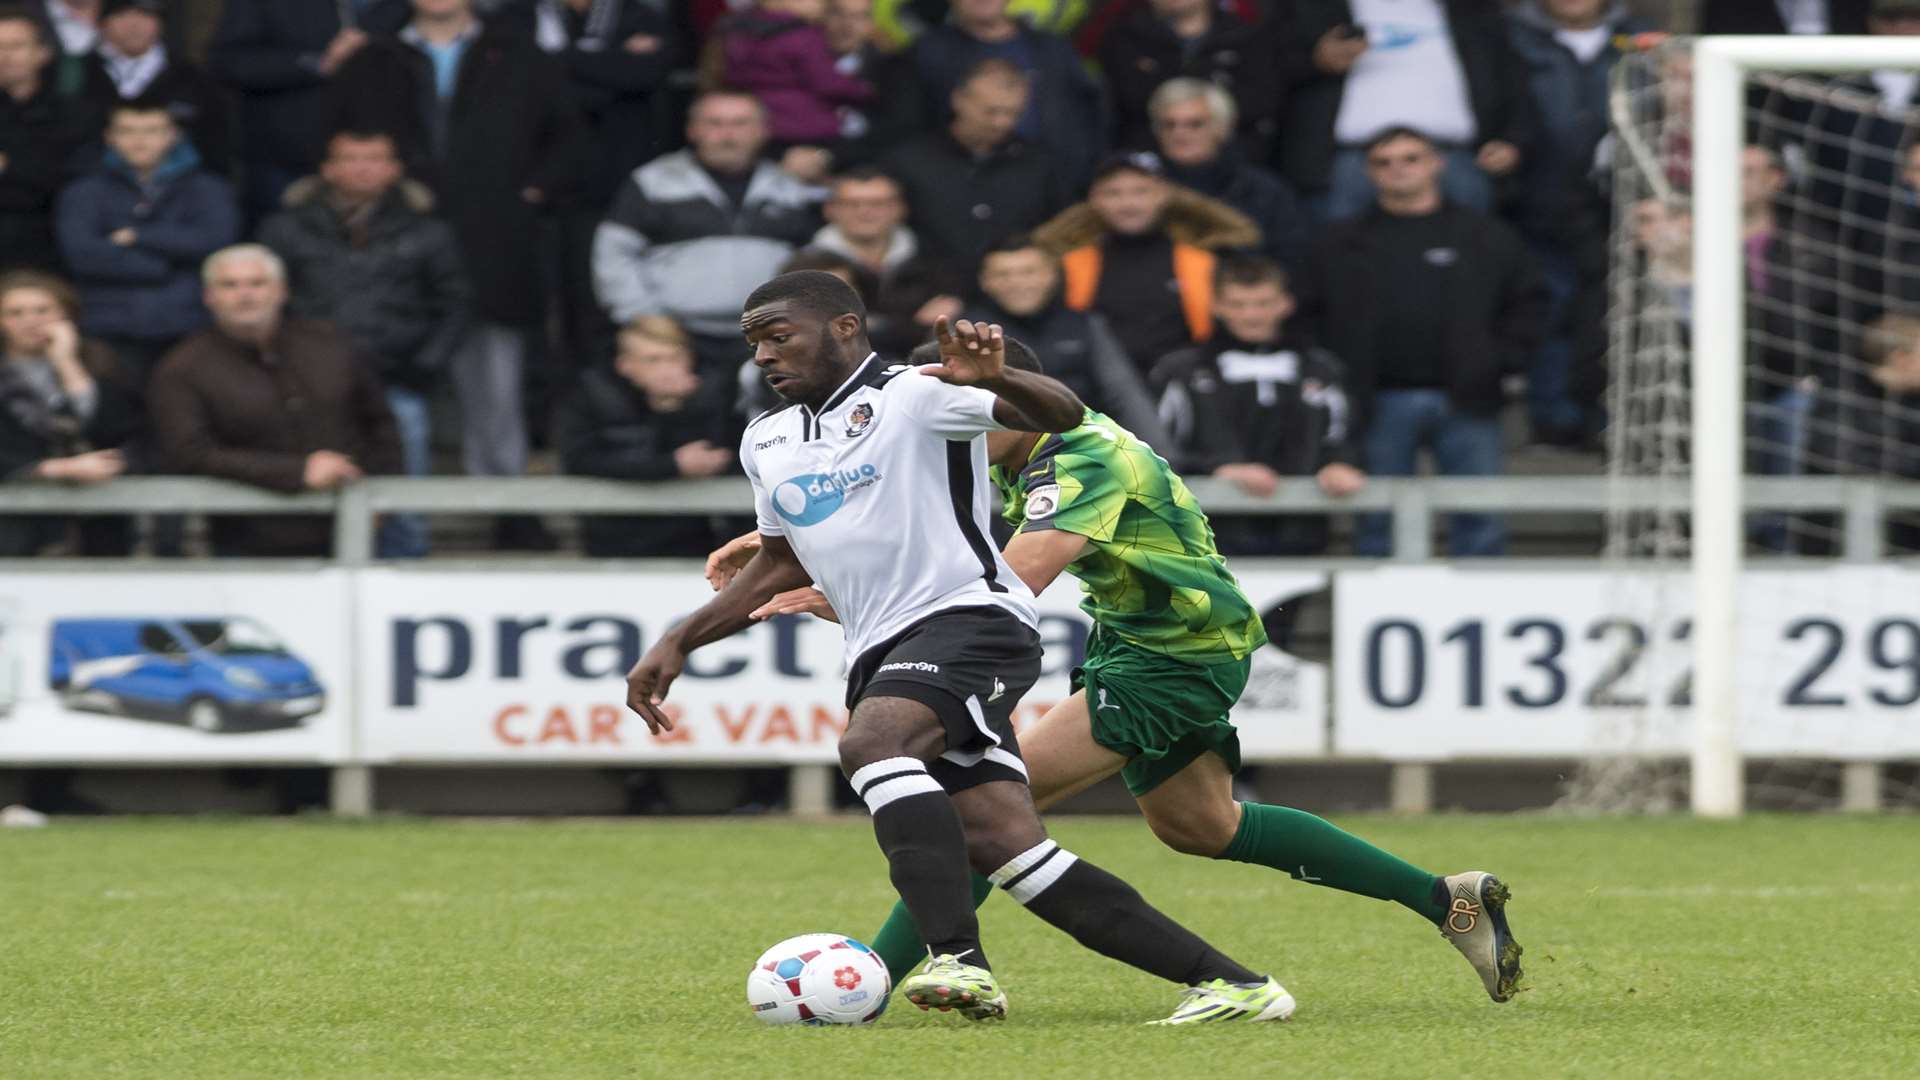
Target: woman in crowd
(63, 415)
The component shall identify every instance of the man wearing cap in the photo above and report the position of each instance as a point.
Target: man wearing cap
(1140, 251)
(131, 61)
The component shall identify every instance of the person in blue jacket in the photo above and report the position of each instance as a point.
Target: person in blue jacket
(135, 230)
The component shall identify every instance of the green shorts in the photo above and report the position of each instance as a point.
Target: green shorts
(1160, 712)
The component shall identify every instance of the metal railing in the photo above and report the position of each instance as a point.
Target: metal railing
(1861, 504)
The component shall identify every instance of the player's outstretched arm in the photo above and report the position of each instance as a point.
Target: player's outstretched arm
(776, 569)
(975, 354)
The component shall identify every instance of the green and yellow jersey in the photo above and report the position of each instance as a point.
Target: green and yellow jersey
(1150, 573)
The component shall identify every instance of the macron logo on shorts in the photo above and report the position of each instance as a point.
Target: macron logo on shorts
(909, 665)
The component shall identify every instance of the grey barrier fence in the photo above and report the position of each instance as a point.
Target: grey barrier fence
(1860, 505)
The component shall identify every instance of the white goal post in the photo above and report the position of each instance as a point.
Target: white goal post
(1721, 66)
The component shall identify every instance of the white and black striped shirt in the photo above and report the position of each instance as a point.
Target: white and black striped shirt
(885, 497)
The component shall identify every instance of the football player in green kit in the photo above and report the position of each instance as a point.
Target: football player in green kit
(1171, 648)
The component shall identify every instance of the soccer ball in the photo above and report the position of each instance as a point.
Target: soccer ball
(819, 979)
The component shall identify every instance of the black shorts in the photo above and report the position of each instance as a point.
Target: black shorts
(971, 666)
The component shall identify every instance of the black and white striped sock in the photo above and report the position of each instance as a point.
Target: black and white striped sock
(926, 849)
(1106, 915)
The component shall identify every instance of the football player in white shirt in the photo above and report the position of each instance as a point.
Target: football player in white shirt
(872, 484)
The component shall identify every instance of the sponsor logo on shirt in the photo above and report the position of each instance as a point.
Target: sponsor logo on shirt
(1442, 256)
(812, 498)
(777, 440)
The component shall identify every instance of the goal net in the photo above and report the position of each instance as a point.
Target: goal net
(1765, 346)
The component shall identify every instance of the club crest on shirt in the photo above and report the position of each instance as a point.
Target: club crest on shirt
(859, 419)
(1042, 501)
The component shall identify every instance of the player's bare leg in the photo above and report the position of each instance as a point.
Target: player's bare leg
(1194, 811)
(1062, 758)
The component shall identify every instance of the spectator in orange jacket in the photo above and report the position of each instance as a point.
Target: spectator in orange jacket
(1140, 251)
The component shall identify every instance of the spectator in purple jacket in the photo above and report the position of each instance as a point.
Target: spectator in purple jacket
(777, 51)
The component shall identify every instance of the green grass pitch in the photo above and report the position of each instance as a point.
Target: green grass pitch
(1655, 948)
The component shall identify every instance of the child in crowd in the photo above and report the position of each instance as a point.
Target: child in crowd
(1254, 405)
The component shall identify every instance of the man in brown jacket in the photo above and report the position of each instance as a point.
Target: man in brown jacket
(285, 404)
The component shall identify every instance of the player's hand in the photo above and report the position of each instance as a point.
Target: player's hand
(647, 683)
(971, 353)
(802, 601)
(1340, 480)
(731, 558)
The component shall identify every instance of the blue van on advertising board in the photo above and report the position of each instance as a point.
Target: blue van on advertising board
(212, 674)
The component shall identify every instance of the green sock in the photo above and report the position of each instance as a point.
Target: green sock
(1313, 850)
(898, 942)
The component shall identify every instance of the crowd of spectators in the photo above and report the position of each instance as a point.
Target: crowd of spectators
(1279, 239)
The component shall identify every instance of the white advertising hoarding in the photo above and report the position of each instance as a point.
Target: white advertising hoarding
(501, 667)
(1437, 662)
(195, 666)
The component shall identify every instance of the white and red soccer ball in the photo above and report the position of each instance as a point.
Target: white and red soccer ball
(819, 979)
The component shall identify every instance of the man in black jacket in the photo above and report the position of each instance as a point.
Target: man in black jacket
(132, 62)
(1194, 39)
(39, 135)
(617, 55)
(1254, 405)
(1193, 126)
(1362, 66)
(484, 117)
(364, 253)
(1064, 112)
(977, 181)
(1430, 305)
(278, 57)
(647, 416)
